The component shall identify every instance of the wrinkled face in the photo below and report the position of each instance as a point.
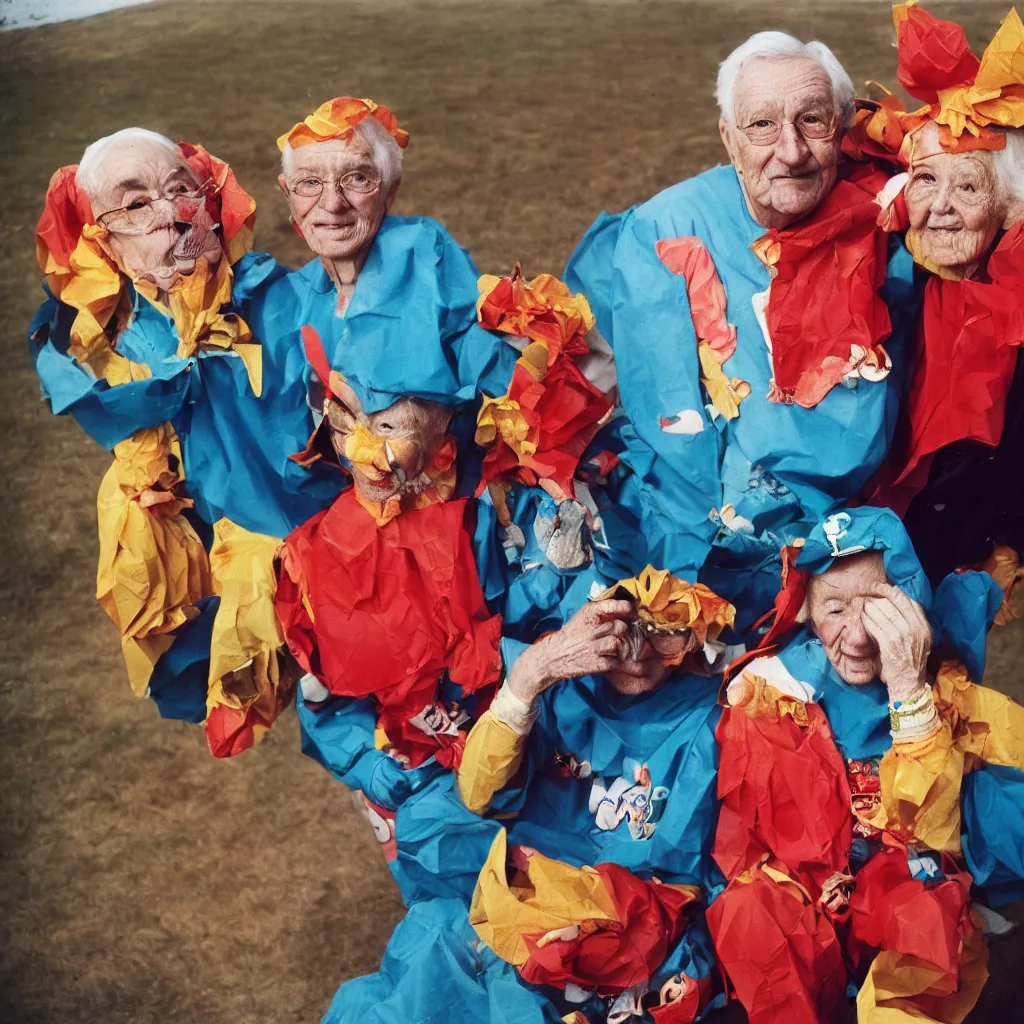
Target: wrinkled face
(155, 230)
(646, 671)
(785, 179)
(954, 201)
(836, 604)
(388, 451)
(336, 224)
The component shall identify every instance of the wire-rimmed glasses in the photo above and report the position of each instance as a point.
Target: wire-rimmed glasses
(358, 182)
(139, 215)
(813, 127)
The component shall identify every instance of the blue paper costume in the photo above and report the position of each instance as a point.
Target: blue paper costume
(772, 469)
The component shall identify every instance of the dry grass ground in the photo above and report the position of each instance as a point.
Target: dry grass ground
(141, 880)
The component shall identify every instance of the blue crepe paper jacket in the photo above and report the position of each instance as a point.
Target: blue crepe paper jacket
(782, 467)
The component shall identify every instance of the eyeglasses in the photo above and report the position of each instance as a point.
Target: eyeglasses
(139, 215)
(355, 181)
(766, 132)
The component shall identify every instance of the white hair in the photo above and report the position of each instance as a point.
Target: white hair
(385, 152)
(87, 178)
(776, 45)
(1009, 162)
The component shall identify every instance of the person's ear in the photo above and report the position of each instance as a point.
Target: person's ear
(724, 129)
(804, 614)
(392, 193)
(282, 182)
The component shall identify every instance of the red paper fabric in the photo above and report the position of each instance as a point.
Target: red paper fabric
(229, 205)
(781, 955)
(824, 298)
(932, 54)
(620, 954)
(230, 731)
(60, 225)
(890, 910)
(564, 412)
(685, 1006)
(689, 257)
(784, 792)
(967, 342)
(783, 616)
(393, 608)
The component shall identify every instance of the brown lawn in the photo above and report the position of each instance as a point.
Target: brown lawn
(141, 880)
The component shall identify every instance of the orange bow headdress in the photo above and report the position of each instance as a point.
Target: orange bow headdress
(337, 119)
(670, 607)
(966, 97)
(81, 271)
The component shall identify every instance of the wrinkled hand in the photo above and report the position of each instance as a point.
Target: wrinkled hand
(899, 626)
(591, 642)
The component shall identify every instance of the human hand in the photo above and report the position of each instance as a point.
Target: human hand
(900, 628)
(593, 641)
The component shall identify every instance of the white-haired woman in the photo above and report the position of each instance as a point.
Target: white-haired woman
(165, 338)
(745, 310)
(960, 445)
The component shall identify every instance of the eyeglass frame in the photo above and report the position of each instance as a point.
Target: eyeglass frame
(830, 134)
(336, 184)
(207, 189)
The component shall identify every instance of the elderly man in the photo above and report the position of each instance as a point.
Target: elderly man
(589, 806)
(852, 712)
(961, 435)
(454, 424)
(745, 310)
(166, 340)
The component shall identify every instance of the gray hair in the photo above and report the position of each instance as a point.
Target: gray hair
(87, 177)
(1009, 162)
(385, 152)
(775, 45)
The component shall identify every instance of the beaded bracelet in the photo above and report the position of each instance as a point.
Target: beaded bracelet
(914, 718)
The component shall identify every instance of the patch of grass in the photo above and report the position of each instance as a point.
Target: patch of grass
(141, 881)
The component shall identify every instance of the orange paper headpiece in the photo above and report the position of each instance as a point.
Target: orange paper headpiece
(966, 97)
(337, 119)
(671, 604)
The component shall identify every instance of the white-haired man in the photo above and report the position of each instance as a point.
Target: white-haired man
(746, 314)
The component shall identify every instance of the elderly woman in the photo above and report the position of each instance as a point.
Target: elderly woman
(852, 712)
(961, 437)
(589, 806)
(750, 366)
(166, 339)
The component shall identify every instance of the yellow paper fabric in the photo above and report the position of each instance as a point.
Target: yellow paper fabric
(920, 784)
(245, 666)
(94, 287)
(921, 781)
(725, 393)
(903, 989)
(987, 726)
(550, 895)
(152, 565)
(996, 96)
(667, 602)
(195, 301)
(492, 756)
